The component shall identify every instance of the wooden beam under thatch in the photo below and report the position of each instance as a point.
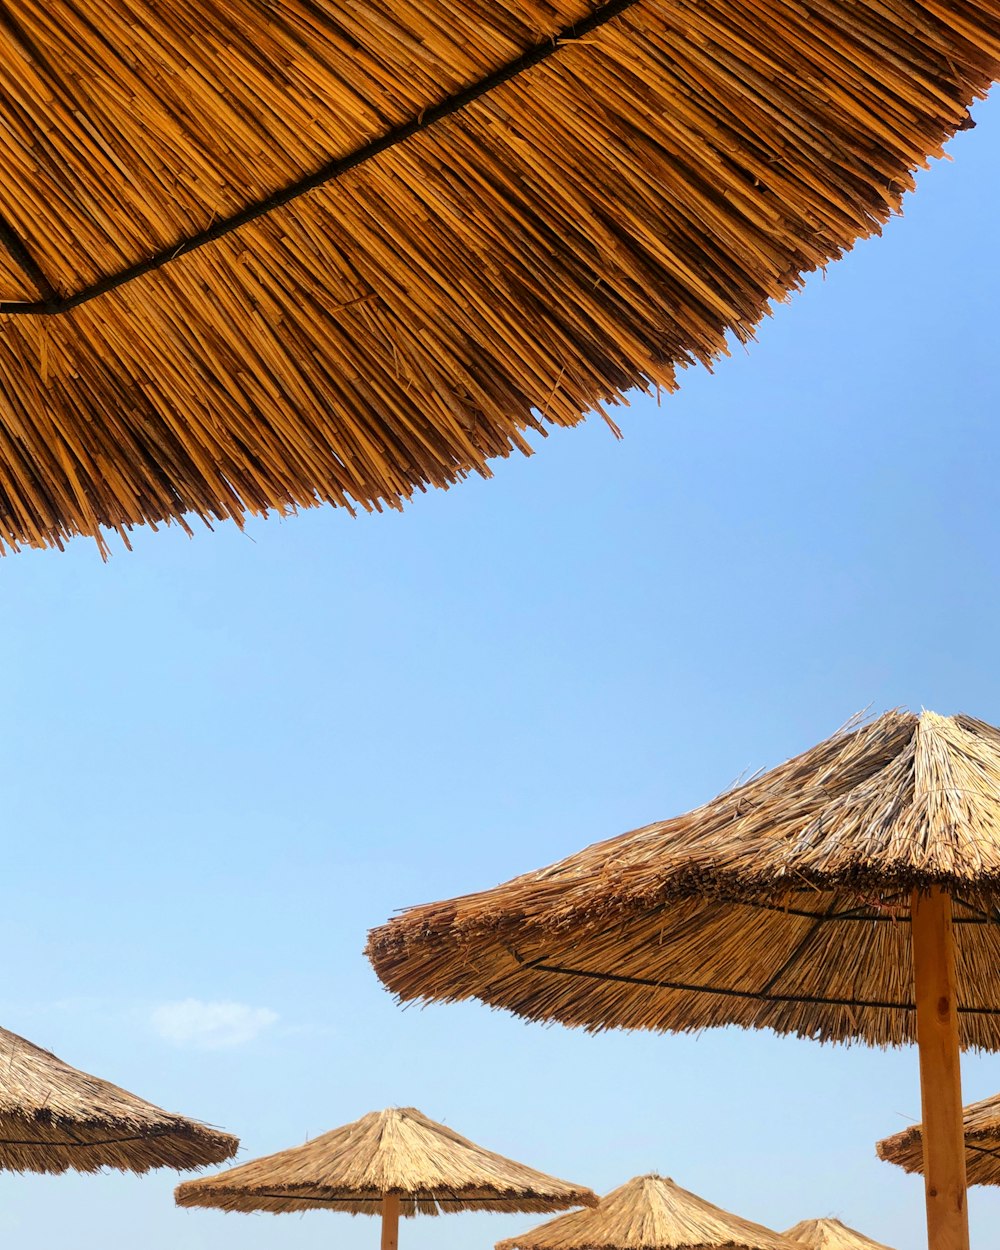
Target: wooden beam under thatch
(981, 1126)
(54, 1118)
(426, 1167)
(648, 1213)
(325, 252)
(830, 1234)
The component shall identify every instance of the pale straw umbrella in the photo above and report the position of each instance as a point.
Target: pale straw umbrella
(649, 1213)
(260, 256)
(830, 1234)
(54, 1118)
(849, 893)
(981, 1129)
(389, 1163)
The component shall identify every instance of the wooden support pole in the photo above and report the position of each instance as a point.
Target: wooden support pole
(940, 1070)
(390, 1221)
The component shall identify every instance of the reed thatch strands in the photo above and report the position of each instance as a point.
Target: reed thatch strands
(850, 893)
(54, 1118)
(321, 251)
(830, 1235)
(425, 1167)
(981, 1127)
(648, 1213)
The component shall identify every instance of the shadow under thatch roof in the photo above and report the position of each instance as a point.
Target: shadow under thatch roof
(981, 1128)
(830, 1234)
(397, 1152)
(326, 252)
(54, 1118)
(648, 1213)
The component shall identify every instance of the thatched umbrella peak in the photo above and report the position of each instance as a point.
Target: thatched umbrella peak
(54, 1118)
(648, 1213)
(850, 893)
(830, 1234)
(981, 1129)
(424, 1166)
(273, 255)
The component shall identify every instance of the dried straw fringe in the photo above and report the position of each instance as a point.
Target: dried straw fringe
(783, 904)
(399, 1151)
(583, 229)
(981, 1125)
(54, 1118)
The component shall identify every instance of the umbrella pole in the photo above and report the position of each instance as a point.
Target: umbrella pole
(390, 1221)
(940, 1070)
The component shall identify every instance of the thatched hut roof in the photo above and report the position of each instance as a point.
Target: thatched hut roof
(398, 1151)
(830, 1235)
(54, 1118)
(981, 1127)
(266, 256)
(781, 904)
(648, 1213)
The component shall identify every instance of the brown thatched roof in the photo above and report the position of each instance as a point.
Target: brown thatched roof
(830, 1235)
(648, 1213)
(782, 904)
(398, 1151)
(298, 251)
(981, 1126)
(54, 1118)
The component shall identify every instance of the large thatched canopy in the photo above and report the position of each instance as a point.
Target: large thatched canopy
(830, 1234)
(54, 1118)
(981, 1127)
(289, 251)
(400, 1152)
(782, 904)
(648, 1213)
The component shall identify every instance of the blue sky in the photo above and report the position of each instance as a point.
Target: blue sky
(228, 757)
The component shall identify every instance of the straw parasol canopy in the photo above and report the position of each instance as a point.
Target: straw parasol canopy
(285, 252)
(54, 1118)
(648, 1213)
(850, 893)
(981, 1128)
(830, 1235)
(391, 1163)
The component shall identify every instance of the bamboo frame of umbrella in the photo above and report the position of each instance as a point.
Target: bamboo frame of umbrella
(389, 1163)
(981, 1133)
(830, 1234)
(849, 893)
(649, 1213)
(54, 1118)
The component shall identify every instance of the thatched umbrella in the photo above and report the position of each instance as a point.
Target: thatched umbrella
(849, 893)
(830, 1235)
(391, 1163)
(54, 1118)
(981, 1129)
(265, 255)
(648, 1213)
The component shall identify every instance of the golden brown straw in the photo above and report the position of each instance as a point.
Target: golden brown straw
(54, 1118)
(782, 904)
(529, 209)
(648, 1213)
(398, 1151)
(981, 1126)
(830, 1235)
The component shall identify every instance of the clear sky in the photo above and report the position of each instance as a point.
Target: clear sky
(228, 757)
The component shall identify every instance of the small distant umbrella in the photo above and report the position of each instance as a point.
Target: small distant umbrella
(830, 1235)
(981, 1127)
(648, 1213)
(391, 1163)
(54, 1118)
(852, 892)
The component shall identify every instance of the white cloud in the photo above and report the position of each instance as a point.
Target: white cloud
(210, 1026)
